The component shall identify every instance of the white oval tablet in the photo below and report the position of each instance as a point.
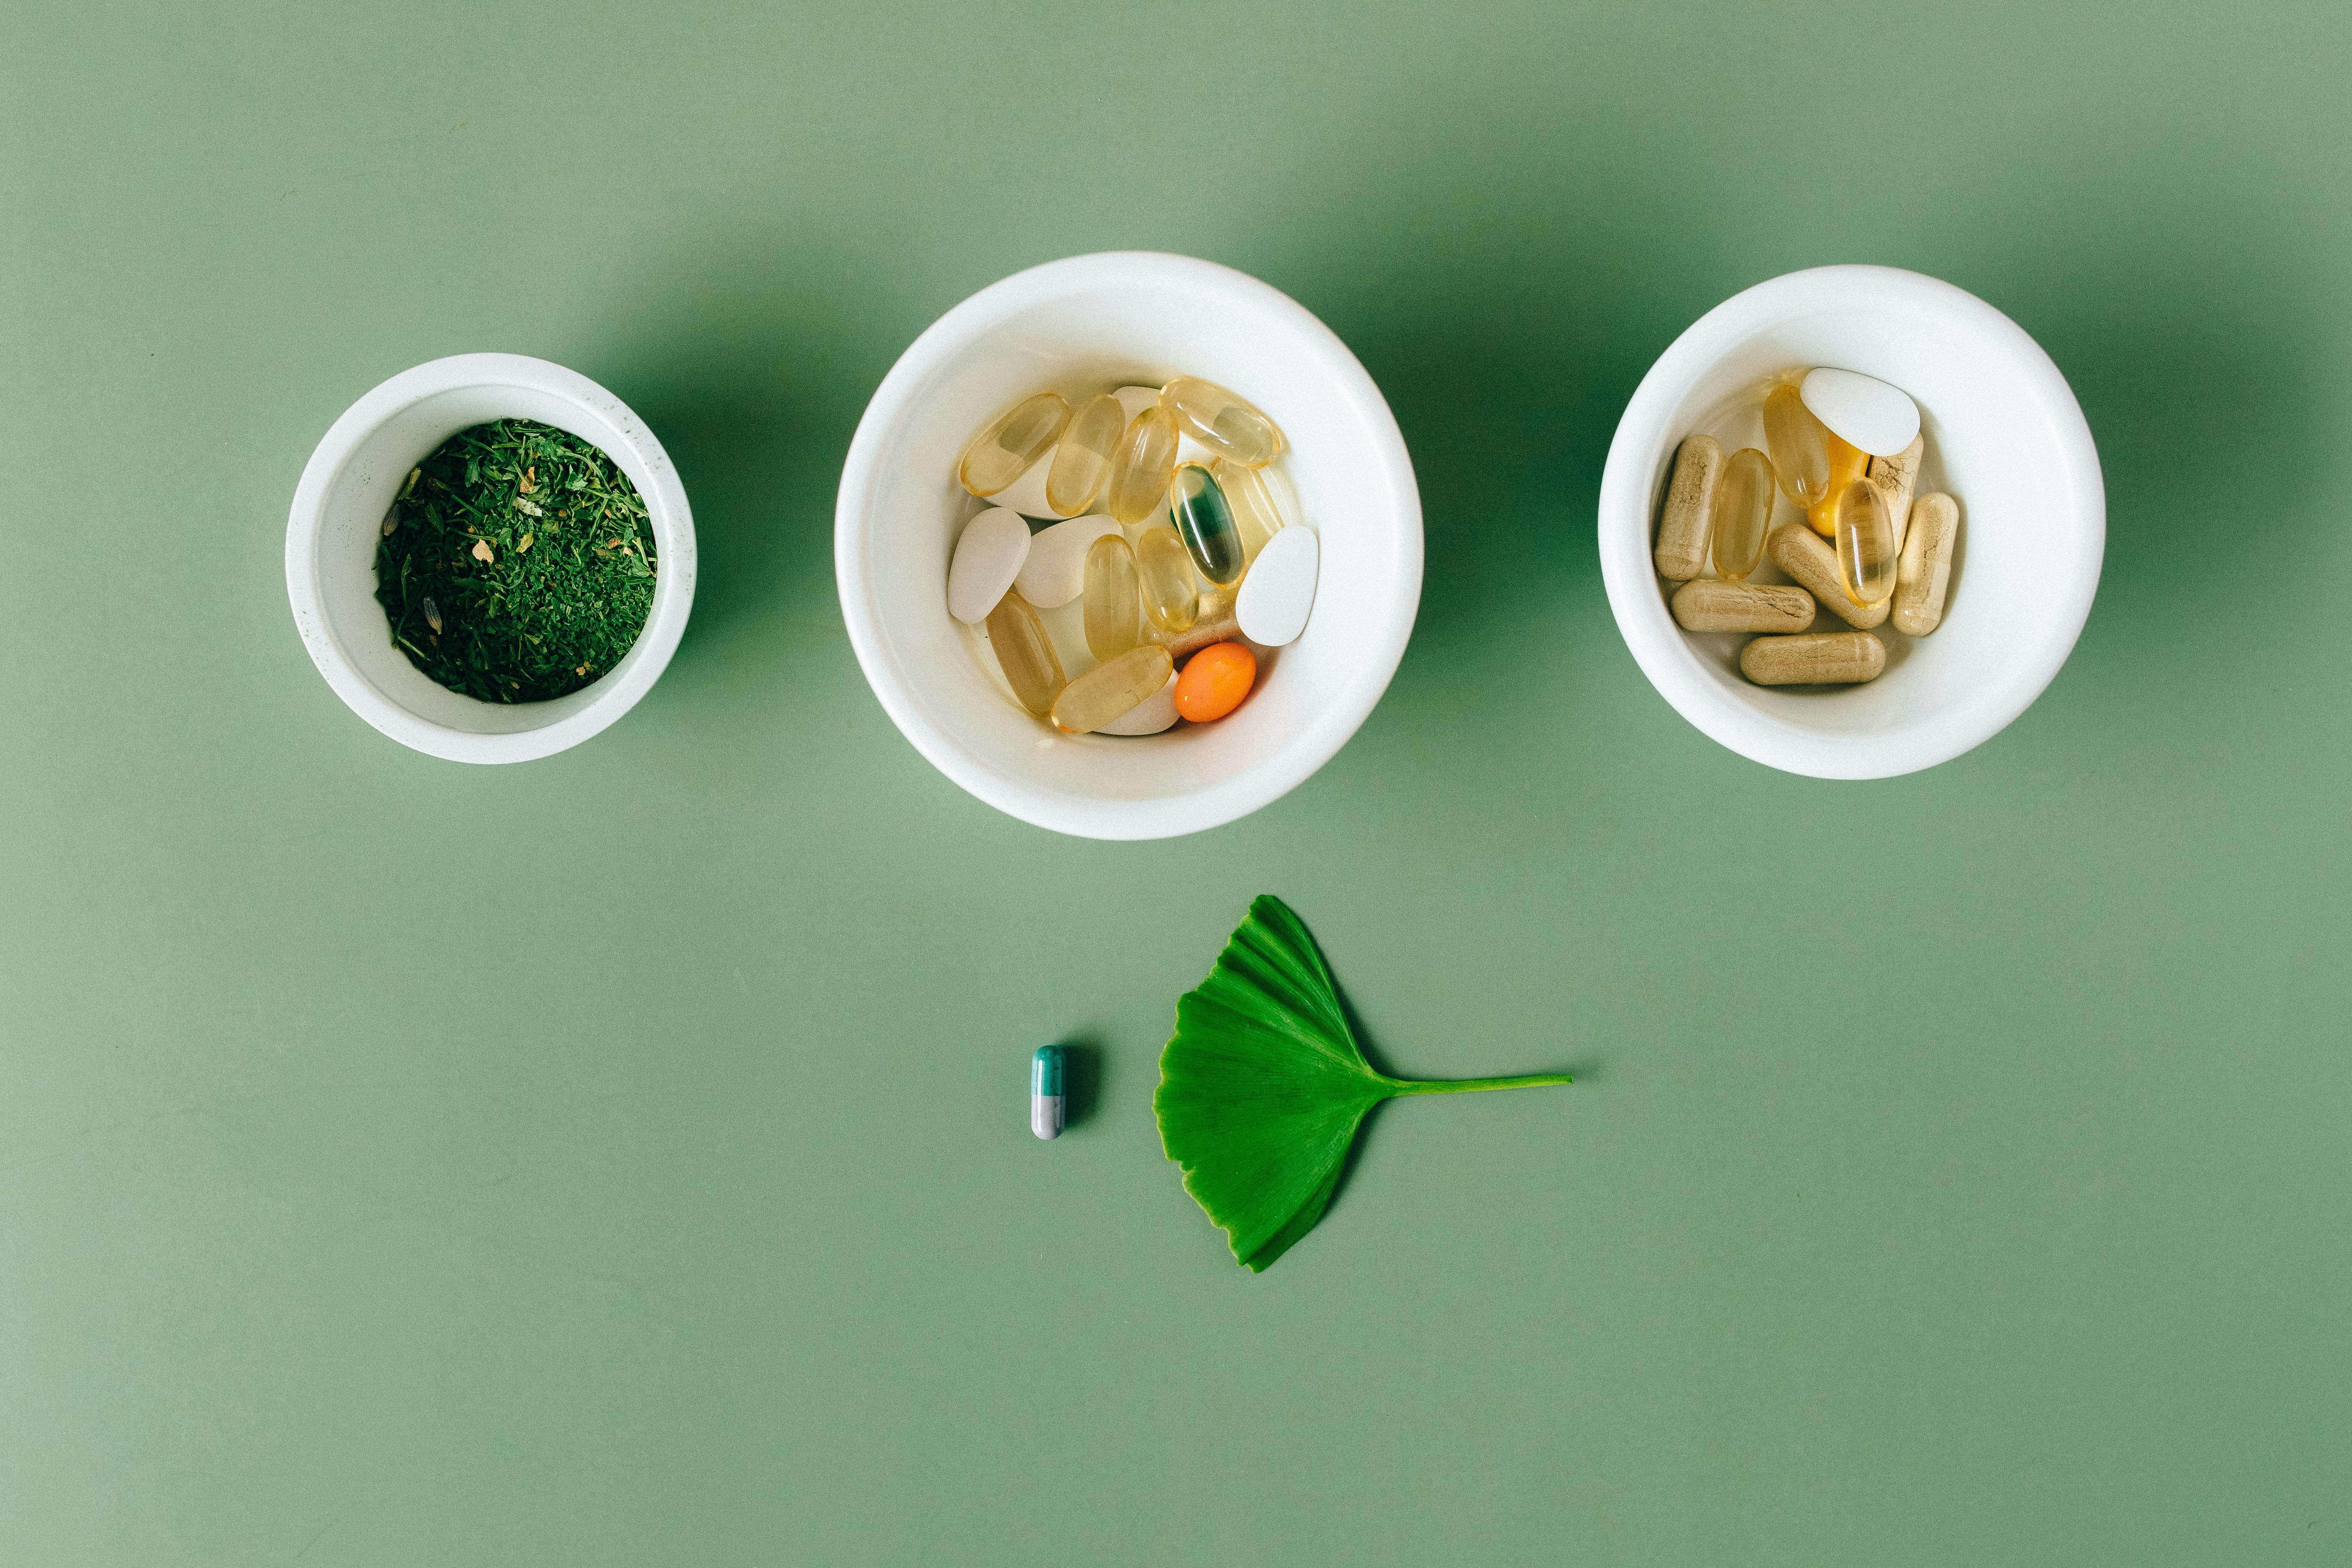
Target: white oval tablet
(1279, 592)
(1876, 417)
(1055, 572)
(1147, 717)
(988, 556)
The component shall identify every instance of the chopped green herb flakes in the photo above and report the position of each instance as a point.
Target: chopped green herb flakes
(511, 599)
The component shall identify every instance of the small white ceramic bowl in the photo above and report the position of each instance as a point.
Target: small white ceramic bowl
(2004, 437)
(1092, 322)
(334, 528)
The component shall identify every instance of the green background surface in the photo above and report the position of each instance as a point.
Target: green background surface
(622, 1158)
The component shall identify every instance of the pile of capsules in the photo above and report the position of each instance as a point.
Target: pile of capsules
(1197, 548)
(1846, 449)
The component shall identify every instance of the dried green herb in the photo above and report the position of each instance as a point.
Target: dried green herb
(1264, 1086)
(517, 564)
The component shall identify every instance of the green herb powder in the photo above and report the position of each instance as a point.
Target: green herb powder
(517, 564)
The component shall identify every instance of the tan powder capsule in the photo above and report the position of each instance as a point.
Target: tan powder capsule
(1817, 658)
(1924, 572)
(1804, 556)
(1894, 478)
(1689, 507)
(1219, 620)
(1708, 605)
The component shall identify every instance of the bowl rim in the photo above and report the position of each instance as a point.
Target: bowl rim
(1271, 776)
(1624, 521)
(665, 509)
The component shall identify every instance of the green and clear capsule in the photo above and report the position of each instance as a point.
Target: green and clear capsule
(1202, 519)
(1048, 1073)
(1114, 607)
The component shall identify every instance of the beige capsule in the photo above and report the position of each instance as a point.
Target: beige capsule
(1082, 460)
(1218, 620)
(1816, 659)
(1894, 478)
(1708, 605)
(1025, 654)
(1804, 556)
(1112, 689)
(1141, 466)
(1009, 443)
(1685, 517)
(1924, 574)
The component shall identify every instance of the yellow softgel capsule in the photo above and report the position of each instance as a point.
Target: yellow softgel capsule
(1113, 603)
(1799, 445)
(1866, 554)
(1112, 689)
(1813, 565)
(1025, 654)
(1008, 444)
(1163, 568)
(1256, 513)
(1224, 422)
(1141, 466)
(1082, 460)
(1743, 514)
(1848, 463)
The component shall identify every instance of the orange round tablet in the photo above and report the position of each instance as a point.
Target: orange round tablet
(1215, 681)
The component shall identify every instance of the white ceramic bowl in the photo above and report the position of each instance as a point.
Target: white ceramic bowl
(334, 530)
(2004, 437)
(1087, 324)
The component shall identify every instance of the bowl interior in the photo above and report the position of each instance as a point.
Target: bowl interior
(350, 529)
(940, 678)
(1995, 443)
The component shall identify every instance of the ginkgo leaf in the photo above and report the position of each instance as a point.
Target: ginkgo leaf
(1263, 1086)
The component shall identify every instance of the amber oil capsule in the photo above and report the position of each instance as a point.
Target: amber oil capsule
(1894, 478)
(1112, 689)
(1217, 620)
(1817, 658)
(1025, 654)
(1689, 509)
(1799, 445)
(1163, 568)
(1743, 514)
(1924, 572)
(1800, 552)
(1256, 513)
(1141, 466)
(1848, 463)
(1082, 460)
(1015, 438)
(1205, 522)
(1224, 422)
(1708, 605)
(1112, 607)
(1866, 555)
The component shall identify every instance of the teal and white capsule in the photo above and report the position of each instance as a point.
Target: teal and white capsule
(1197, 506)
(1046, 1101)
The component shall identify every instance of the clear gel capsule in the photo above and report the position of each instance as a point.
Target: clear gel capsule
(1205, 522)
(1256, 513)
(1113, 689)
(1141, 466)
(1163, 569)
(1222, 421)
(1082, 462)
(1025, 654)
(1866, 556)
(1799, 445)
(1743, 514)
(1047, 1071)
(1017, 438)
(1848, 463)
(1113, 603)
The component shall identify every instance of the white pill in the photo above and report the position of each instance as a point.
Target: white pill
(1147, 717)
(1135, 399)
(1055, 572)
(1279, 591)
(1874, 417)
(988, 557)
